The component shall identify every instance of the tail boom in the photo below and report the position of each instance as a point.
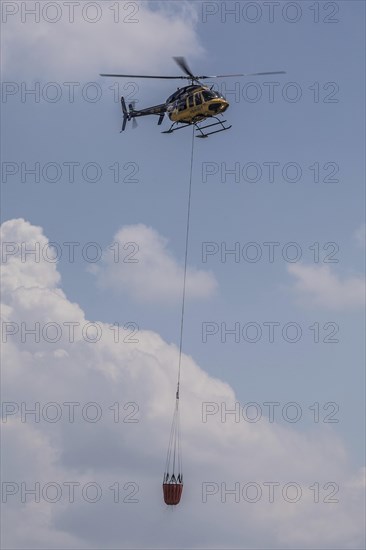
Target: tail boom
(131, 113)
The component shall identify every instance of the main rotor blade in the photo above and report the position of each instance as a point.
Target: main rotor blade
(242, 74)
(203, 77)
(262, 74)
(181, 61)
(190, 75)
(144, 76)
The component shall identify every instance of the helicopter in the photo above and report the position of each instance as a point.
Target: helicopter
(189, 105)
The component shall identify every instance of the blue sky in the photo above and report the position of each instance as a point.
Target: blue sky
(324, 131)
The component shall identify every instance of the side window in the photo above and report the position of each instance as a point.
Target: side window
(181, 105)
(198, 99)
(190, 101)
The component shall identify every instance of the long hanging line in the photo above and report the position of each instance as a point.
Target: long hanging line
(173, 486)
(185, 262)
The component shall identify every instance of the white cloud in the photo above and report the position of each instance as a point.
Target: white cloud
(81, 49)
(147, 270)
(106, 452)
(318, 286)
(14, 234)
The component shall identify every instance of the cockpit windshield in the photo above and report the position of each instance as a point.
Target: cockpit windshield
(211, 94)
(208, 94)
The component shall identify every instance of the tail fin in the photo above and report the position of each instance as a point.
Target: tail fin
(131, 114)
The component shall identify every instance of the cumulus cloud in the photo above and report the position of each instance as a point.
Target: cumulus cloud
(319, 286)
(20, 240)
(85, 41)
(140, 263)
(113, 452)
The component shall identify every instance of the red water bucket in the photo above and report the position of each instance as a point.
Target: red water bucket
(172, 493)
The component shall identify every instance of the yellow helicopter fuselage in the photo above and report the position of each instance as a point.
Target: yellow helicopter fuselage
(197, 105)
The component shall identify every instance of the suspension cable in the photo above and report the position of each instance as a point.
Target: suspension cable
(185, 261)
(174, 447)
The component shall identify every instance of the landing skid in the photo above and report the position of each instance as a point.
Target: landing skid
(205, 135)
(200, 133)
(172, 129)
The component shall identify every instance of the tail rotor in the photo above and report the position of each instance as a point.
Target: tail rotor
(128, 114)
(125, 114)
(132, 108)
